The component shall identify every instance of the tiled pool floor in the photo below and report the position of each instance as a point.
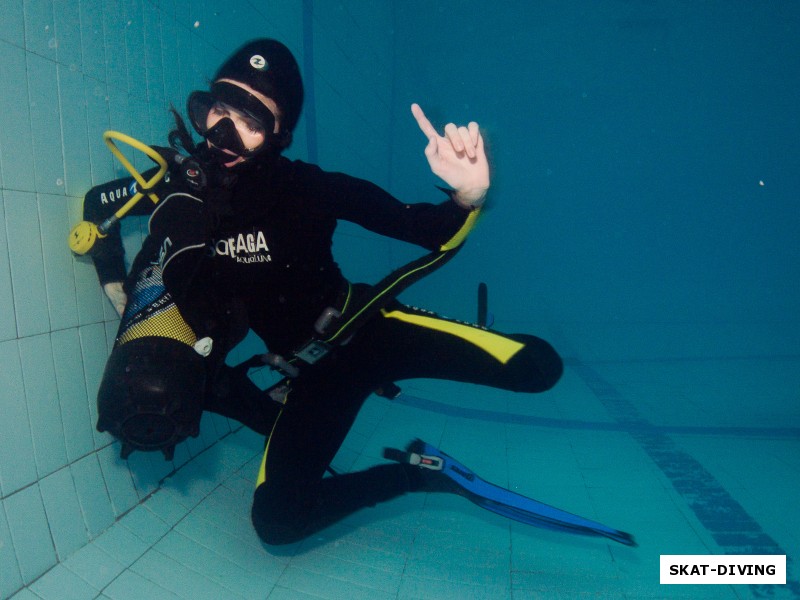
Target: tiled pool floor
(685, 456)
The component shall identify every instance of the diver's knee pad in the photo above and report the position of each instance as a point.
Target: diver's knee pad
(153, 388)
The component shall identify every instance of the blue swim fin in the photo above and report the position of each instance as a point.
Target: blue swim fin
(499, 500)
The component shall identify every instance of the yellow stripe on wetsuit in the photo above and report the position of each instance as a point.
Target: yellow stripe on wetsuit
(413, 271)
(262, 471)
(500, 347)
(463, 232)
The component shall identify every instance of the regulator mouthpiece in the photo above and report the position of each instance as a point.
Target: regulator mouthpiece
(83, 237)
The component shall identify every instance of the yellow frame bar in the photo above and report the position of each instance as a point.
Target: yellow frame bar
(108, 138)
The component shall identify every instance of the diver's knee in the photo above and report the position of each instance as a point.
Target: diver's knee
(539, 365)
(276, 531)
(552, 369)
(275, 522)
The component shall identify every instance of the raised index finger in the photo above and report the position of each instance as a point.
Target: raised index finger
(423, 122)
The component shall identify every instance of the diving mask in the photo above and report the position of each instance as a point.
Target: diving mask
(228, 100)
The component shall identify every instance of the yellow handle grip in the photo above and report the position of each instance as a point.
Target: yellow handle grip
(108, 138)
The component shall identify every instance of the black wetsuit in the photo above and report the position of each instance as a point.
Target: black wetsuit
(270, 243)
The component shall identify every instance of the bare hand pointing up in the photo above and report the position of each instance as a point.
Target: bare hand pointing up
(458, 158)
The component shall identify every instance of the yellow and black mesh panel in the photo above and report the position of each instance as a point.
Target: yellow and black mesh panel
(152, 312)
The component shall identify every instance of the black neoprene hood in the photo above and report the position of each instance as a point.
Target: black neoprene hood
(269, 67)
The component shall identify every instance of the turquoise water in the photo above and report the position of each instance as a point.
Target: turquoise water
(644, 219)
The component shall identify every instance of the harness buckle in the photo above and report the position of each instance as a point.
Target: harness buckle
(313, 351)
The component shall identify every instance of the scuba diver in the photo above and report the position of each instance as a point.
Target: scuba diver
(241, 238)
